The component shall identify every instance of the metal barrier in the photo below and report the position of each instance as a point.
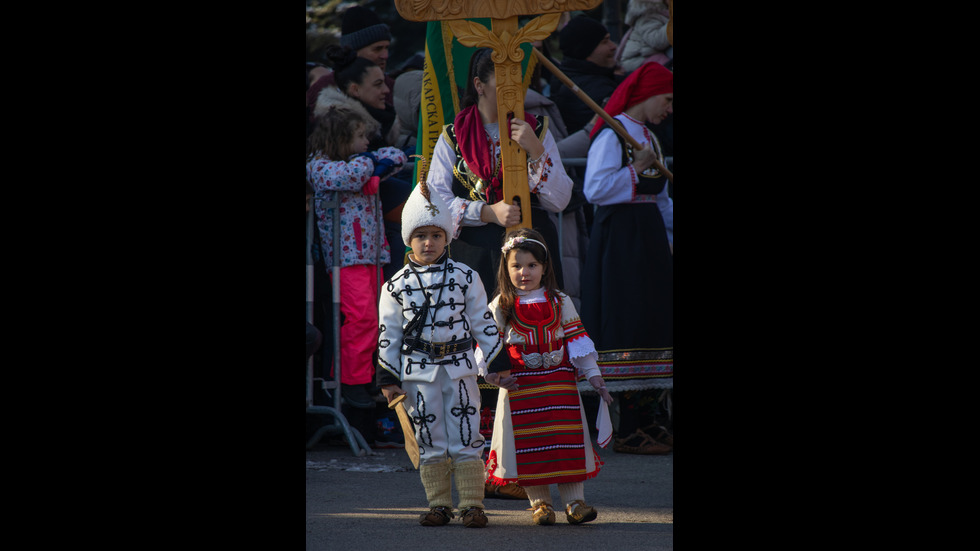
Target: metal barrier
(339, 425)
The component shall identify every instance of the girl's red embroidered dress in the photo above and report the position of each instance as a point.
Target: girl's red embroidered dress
(540, 433)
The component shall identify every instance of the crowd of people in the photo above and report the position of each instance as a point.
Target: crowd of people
(569, 323)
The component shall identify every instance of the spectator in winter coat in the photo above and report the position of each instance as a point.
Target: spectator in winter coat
(590, 62)
(363, 32)
(408, 102)
(646, 39)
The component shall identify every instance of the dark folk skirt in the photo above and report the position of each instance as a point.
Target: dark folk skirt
(628, 296)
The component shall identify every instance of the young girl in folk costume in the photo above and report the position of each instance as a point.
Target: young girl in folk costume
(540, 433)
(339, 165)
(436, 331)
(629, 264)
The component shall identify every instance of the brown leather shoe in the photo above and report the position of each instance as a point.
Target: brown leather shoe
(660, 434)
(510, 490)
(543, 514)
(640, 443)
(437, 516)
(578, 512)
(473, 517)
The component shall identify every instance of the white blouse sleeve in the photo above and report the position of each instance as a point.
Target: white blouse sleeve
(440, 179)
(581, 348)
(607, 182)
(587, 365)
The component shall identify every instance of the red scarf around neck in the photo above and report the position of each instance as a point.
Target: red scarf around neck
(477, 149)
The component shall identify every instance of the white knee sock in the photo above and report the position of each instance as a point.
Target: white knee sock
(570, 491)
(538, 493)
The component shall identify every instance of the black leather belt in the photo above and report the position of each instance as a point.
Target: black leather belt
(436, 350)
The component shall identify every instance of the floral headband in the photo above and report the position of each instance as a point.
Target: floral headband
(515, 241)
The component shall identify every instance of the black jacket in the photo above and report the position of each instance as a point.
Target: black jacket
(597, 82)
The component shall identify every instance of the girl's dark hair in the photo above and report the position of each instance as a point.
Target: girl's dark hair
(347, 66)
(506, 289)
(481, 66)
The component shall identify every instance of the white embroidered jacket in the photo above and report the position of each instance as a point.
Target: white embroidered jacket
(457, 310)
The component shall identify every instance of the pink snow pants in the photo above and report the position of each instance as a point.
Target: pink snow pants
(359, 332)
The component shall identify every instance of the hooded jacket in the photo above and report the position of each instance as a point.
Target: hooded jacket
(647, 38)
(408, 100)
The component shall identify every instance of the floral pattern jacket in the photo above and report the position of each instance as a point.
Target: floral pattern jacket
(362, 236)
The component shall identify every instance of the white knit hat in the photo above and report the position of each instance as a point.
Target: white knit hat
(425, 208)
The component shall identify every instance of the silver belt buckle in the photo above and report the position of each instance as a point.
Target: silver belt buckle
(535, 360)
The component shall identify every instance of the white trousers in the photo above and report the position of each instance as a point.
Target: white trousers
(446, 416)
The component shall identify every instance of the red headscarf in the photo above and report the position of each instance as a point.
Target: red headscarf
(477, 150)
(648, 80)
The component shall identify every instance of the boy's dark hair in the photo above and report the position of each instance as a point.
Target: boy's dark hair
(506, 289)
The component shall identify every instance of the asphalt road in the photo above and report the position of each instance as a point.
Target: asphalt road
(374, 501)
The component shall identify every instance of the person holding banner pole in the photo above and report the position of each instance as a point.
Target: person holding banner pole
(629, 264)
(466, 171)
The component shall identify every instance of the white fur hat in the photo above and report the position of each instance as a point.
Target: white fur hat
(425, 208)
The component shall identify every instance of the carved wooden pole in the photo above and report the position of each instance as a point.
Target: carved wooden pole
(505, 39)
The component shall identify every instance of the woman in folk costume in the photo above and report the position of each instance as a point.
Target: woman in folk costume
(629, 265)
(435, 333)
(466, 171)
(540, 434)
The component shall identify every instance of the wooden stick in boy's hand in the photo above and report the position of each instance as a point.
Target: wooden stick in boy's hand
(408, 430)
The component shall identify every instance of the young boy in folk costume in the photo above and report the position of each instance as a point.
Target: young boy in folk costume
(435, 332)
(540, 434)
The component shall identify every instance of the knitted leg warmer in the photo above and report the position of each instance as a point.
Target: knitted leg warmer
(470, 478)
(438, 484)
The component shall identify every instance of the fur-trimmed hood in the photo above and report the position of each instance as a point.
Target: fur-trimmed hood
(654, 9)
(332, 96)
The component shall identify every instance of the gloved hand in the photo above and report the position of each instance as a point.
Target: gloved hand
(382, 167)
(371, 187)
